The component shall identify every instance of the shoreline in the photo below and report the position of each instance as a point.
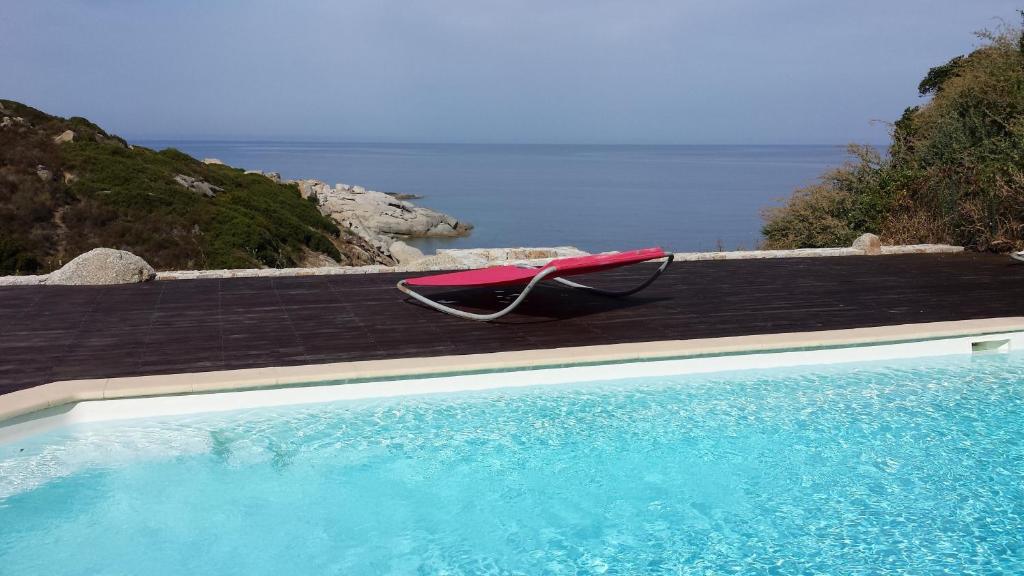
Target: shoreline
(381, 220)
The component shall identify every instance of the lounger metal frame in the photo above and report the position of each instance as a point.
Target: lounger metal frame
(529, 287)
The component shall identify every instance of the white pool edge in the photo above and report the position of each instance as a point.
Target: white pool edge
(151, 396)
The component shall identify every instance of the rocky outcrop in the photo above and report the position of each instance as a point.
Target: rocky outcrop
(198, 186)
(378, 217)
(103, 266)
(65, 136)
(405, 254)
(379, 212)
(11, 121)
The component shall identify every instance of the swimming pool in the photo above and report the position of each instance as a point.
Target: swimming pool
(912, 466)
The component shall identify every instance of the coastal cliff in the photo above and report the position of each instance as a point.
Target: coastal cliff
(67, 186)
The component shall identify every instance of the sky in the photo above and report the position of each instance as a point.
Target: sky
(526, 71)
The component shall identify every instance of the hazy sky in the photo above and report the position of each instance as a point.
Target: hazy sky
(587, 71)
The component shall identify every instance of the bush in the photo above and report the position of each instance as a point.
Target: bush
(105, 193)
(813, 217)
(846, 203)
(953, 172)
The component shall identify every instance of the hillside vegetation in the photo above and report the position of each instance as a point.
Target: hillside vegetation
(58, 200)
(953, 173)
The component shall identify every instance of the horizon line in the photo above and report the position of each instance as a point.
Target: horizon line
(235, 140)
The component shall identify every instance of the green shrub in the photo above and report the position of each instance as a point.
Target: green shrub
(813, 217)
(105, 193)
(953, 172)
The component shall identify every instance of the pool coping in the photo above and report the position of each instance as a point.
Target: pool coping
(20, 405)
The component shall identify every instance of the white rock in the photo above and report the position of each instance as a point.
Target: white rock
(869, 243)
(213, 161)
(377, 217)
(198, 186)
(9, 121)
(103, 266)
(405, 254)
(309, 188)
(384, 214)
(65, 136)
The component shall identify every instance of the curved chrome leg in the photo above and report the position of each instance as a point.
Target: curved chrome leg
(529, 287)
(469, 315)
(619, 293)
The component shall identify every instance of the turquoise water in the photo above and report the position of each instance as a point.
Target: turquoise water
(911, 468)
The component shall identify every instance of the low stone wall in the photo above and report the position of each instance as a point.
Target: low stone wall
(476, 258)
(456, 264)
(817, 252)
(23, 280)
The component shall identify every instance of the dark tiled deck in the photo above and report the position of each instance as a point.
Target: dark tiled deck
(57, 333)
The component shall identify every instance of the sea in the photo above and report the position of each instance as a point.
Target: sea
(594, 197)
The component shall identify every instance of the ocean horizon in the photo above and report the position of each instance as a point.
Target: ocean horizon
(596, 197)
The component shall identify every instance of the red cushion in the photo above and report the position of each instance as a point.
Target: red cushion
(493, 276)
(512, 275)
(598, 262)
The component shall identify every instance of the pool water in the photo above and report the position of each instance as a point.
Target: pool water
(910, 467)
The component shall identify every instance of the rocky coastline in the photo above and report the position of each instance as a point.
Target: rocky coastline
(381, 219)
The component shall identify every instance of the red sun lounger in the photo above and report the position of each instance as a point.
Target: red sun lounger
(530, 276)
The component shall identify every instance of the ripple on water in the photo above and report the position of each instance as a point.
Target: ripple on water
(913, 467)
